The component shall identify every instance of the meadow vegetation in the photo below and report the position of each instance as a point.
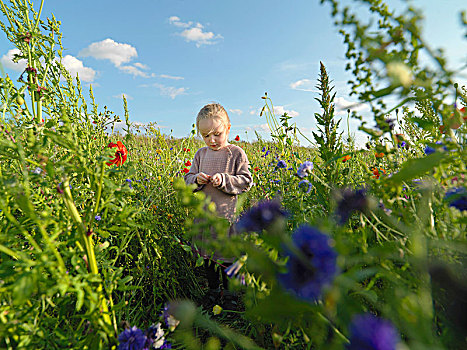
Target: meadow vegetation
(340, 246)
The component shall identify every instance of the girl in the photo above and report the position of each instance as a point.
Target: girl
(220, 169)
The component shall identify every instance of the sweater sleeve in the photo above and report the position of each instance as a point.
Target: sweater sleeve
(190, 177)
(241, 181)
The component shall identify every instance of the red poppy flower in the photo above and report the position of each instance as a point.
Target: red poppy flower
(120, 155)
(185, 170)
(346, 158)
(186, 150)
(237, 138)
(188, 163)
(256, 169)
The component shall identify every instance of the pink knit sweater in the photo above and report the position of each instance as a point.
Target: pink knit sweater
(232, 163)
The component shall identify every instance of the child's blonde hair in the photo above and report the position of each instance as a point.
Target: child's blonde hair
(213, 110)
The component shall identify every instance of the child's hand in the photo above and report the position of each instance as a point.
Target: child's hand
(216, 180)
(203, 178)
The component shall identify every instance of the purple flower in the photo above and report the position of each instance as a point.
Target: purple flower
(97, 218)
(132, 339)
(304, 169)
(429, 150)
(370, 332)
(457, 198)
(129, 183)
(315, 268)
(351, 200)
(261, 216)
(281, 164)
(305, 185)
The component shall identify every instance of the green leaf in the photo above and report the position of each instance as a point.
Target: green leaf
(416, 167)
(199, 261)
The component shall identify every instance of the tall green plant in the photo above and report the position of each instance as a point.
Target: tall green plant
(329, 140)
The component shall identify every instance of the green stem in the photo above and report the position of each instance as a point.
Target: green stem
(89, 247)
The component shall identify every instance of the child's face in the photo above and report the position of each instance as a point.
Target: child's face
(214, 133)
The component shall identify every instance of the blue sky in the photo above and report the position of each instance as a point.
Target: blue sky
(171, 57)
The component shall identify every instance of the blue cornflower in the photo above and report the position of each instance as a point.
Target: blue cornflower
(129, 183)
(305, 185)
(261, 216)
(457, 198)
(304, 169)
(263, 149)
(97, 218)
(281, 164)
(429, 150)
(370, 332)
(132, 339)
(290, 168)
(351, 200)
(315, 268)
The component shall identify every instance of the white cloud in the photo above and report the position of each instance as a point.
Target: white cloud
(165, 76)
(75, 67)
(171, 91)
(195, 32)
(108, 49)
(135, 71)
(120, 96)
(7, 61)
(258, 127)
(140, 65)
(280, 110)
(176, 22)
(341, 106)
(236, 111)
(303, 85)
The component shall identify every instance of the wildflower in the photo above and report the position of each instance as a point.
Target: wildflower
(37, 171)
(402, 144)
(263, 149)
(132, 339)
(261, 216)
(281, 164)
(370, 332)
(185, 170)
(97, 218)
(155, 337)
(351, 201)
(457, 198)
(346, 158)
(216, 310)
(170, 216)
(429, 150)
(256, 169)
(188, 163)
(233, 269)
(304, 169)
(120, 154)
(379, 155)
(186, 150)
(129, 183)
(314, 268)
(170, 321)
(376, 173)
(159, 151)
(305, 185)
(237, 138)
